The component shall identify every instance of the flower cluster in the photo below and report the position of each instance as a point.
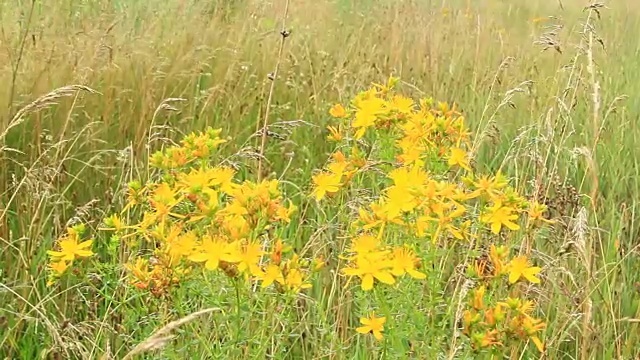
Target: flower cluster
(198, 213)
(432, 197)
(504, 322)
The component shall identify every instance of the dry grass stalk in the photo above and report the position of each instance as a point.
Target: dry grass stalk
(273, 76)
(43, 102)
(160, 338)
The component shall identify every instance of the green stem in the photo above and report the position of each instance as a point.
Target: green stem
(387, 313)
(238, 318)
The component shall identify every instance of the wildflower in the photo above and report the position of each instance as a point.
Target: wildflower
(459, 157)
(366, 115)
(401, 104)
(531, 326)
(272, 274)
(338, 111)
(498, 216)
(284, 213)
(318, 263)
(519, 267)
(373, 325)
(325, 183)
(382, 215)
(488, 185)
(70, 249)
(140, 271)
(399, 200)
(182, 245)
(405, 261)
(478, 298)
(222, 177)
(536, 211)
(370, 267)
(497, 256)
(59, 267)
(294, 281)
(335, 134)
(213, 251)
(445, 221)
(249, 257)
(470, 318)
(364, 244)
(485, 339)
(495, 315)
(114, 223)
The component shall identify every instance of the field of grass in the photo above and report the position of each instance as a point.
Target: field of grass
(259, 240)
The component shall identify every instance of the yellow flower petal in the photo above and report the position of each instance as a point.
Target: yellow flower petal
(367, 282)
(385, 277)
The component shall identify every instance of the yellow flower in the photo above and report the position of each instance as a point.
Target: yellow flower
(70, 249)
(497, 255)
(272, 274)
(478, 298)
(284, 213)
(399, 200)
(214, 250)
(196, 180)
(325, 183)
(338, 111)
(59, 267)
(370, 267)
(337, 168)
(335, 133)
(519, 267)
(368, 112)
(364, 244)
(250, 257)
(536, 212)
(404, 261)
(488, 185)
(498, 216)
(373, 325)
(294, 281)
(182, 245)
(223, 177)
(459, 157)
(402, 104)
(114, 223)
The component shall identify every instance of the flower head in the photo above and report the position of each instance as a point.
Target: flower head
(373, 325)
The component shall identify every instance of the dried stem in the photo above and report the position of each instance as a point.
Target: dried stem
(160, 338)
(284, 33)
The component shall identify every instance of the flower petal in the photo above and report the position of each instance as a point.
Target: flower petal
(367, 282)
(385, 277)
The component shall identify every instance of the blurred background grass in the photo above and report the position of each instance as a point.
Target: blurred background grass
(532, 111)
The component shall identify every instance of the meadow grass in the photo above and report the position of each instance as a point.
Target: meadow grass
(92, 89)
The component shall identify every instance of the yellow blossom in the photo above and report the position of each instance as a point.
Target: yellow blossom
(272, 274)
(373, 325)
(370, 268)
(519, 267)
(325, 183)
(338, 111)
(405, 261)
(70, 249)
(459, 157)
(214, 250)
(498, 215)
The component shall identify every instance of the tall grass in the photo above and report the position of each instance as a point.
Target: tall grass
(132, 77)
